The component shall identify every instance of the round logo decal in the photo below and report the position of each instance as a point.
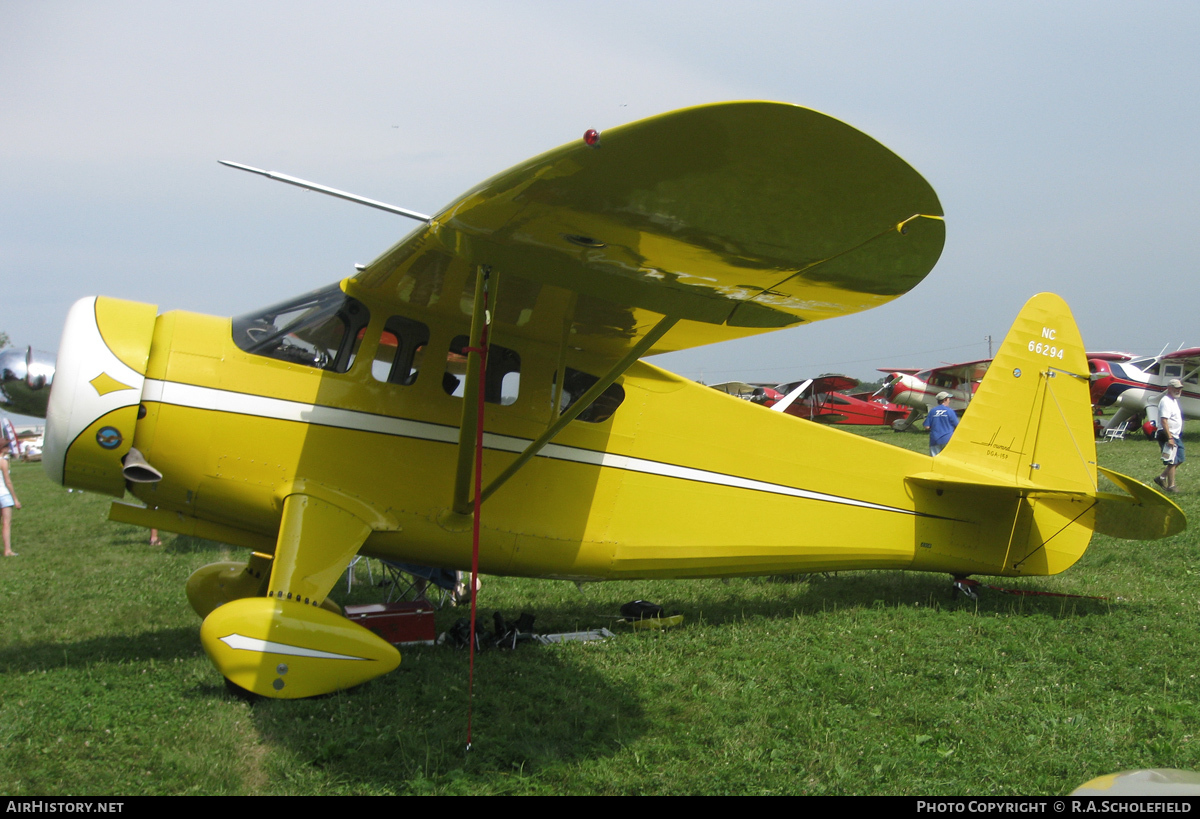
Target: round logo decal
(109, 437)
(1017, 372)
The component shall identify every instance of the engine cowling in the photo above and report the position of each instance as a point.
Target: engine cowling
(93, 408)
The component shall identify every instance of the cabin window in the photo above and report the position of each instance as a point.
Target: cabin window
(576, 383)
(398, 356)
(320, 329)
(1177, 371)
(502, 382)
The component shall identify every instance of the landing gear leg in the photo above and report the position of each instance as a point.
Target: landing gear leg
(906, 423)
(287, 645)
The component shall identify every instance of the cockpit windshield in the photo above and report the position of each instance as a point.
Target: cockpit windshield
(320, 329)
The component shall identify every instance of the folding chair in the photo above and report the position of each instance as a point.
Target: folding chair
(412, 582)
(350, 571)
(1116, 432)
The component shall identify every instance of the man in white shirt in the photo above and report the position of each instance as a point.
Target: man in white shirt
(1170, 425)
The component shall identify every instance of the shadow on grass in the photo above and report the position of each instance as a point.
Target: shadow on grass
(534, 708)
(822, 593)
(163, 645)
(172, 544)
(539, 712)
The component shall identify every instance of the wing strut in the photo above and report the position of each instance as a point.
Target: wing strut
(472, 417)
(585, 401)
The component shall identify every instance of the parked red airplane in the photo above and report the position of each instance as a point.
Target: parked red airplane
(820, 400)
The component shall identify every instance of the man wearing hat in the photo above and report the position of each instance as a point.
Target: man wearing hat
(1170, 434)
(940, 422)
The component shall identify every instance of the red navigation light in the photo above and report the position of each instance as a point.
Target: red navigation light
(591, 137)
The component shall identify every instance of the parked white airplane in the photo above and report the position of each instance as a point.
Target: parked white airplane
(919, 388)
(1135, 386)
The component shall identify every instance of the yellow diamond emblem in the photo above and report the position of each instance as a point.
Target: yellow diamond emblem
(105, 383)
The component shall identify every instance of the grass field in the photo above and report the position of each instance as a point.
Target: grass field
(858, 683)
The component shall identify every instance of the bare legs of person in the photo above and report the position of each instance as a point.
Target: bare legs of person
(6, 515)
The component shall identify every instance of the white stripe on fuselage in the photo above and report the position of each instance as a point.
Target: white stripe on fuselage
(190, 395)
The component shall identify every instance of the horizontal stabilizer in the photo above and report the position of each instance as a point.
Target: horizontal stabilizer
(937, 480)
(1143, 514)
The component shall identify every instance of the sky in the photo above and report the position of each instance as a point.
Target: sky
(1061, 139)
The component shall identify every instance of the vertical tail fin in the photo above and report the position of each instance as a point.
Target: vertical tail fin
(1029, 424)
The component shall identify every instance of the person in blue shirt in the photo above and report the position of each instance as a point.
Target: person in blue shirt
(940, 422)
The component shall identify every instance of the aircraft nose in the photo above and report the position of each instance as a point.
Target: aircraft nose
(1102, 379)
(892, 386)
(92, 412)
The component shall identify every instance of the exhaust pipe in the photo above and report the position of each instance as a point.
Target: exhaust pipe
(137, 470)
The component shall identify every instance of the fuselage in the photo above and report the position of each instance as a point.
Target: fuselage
(671, 480)
(850, 410)
(920, 391)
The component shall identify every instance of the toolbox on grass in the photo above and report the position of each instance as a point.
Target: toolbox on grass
(398, 623)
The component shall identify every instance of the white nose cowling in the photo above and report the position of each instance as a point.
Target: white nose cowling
(92, 414)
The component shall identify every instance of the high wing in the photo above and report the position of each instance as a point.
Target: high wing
(1189, 353)
(1110, 355)
(833, 383)
(816, 386)
(822, 385)
(733, 219)
(967, 371)
(1189, 358)
(739, 388)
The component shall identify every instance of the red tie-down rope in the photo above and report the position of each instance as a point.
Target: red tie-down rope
(482, 349)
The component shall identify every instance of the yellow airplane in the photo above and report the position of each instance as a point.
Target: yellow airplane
(344, 421)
